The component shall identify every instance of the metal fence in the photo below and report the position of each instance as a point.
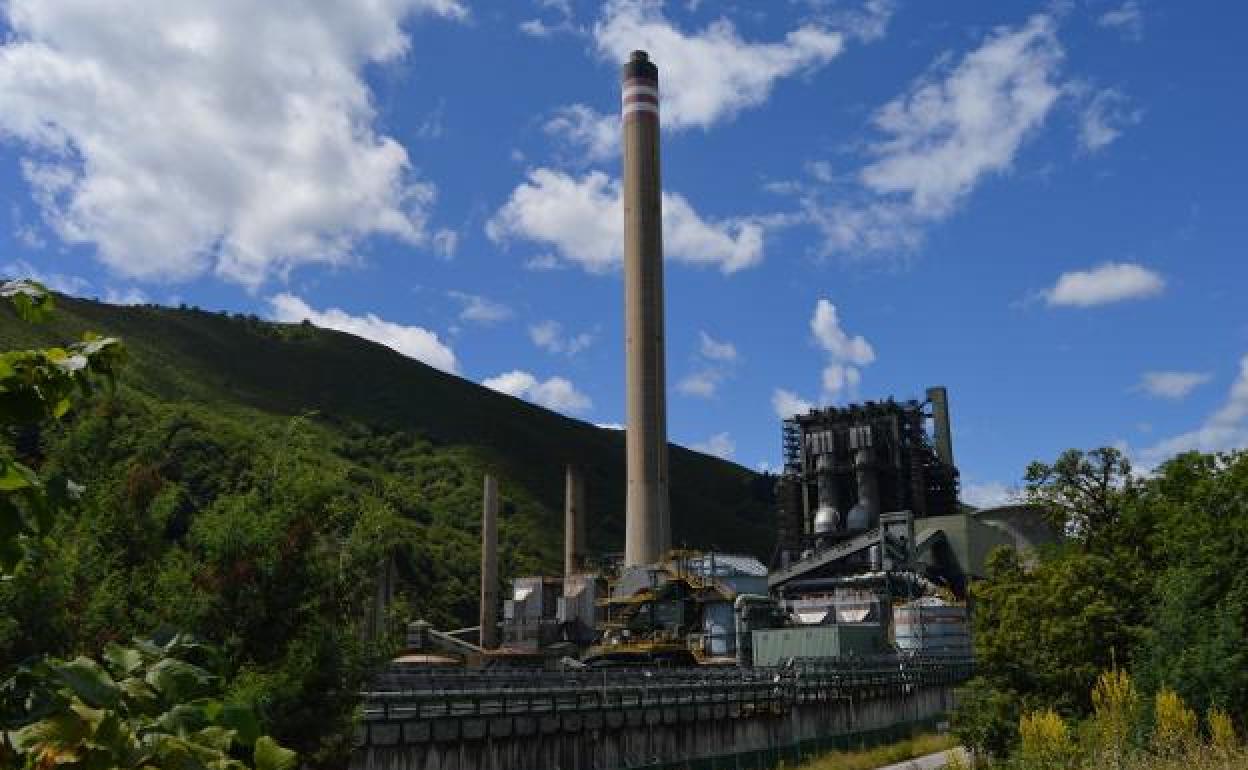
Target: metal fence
(407, 694)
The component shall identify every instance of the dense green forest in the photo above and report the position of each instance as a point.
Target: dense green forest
(245, 480)
(1151, 585)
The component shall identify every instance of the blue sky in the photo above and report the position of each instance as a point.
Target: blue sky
(1040, 206)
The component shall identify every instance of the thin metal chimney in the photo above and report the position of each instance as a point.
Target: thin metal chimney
(943, 434)
(574, 524)
(489, 564)
(648, 526)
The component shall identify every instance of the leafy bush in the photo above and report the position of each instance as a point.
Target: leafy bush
(145, 706)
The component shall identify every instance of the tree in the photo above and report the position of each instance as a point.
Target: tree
(1082, 493)
(147, 706)
(37, 387)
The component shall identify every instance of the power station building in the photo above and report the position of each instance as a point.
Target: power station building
(873, 550)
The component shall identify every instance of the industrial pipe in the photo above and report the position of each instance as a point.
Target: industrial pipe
(941, 430)
(827, 517)
(742, 624)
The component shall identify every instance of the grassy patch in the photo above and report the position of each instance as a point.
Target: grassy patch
(868, 759)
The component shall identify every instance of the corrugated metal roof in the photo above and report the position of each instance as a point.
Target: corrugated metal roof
(726, 564)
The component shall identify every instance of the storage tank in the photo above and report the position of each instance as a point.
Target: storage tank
(932, 626)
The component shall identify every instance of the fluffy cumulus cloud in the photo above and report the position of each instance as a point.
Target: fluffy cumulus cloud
(953, 128)
(786, 403)
(579, 217)
(713, 74)
(554, 393)
(842, 374)
(710, 75)
(551, 337)
(413, 341)
(179, 137)
(1171, 385)
(1225, 429)
(825, 324)
(846, 353)
(475, 308)
(1107, 113)
(595, 136)
(1105, 284)
(720, 445)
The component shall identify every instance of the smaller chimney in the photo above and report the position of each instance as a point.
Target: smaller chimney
(574, 540)
(489, 564)
(942, 433)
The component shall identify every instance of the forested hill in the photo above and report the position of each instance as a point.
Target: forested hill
(238, 364)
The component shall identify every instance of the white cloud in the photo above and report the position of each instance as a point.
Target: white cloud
(1172, 385)
(59, 282)
(714, 350)
(412, 341)
(596, 136)
(1127, 19)
(846, 353)
(989, 494)
(826, 327)
(130, 296)
(840, 377)
(549, 336)
(786, 403)
(713, 74)
(1104, 117)
(940, 139)
(478, 309)
(715, 361)
(702, 384)
(609, 425)
(1224, 430)
(720, 445)
(1110, 282)
(554, 393)
(580, 219)
(179, 137)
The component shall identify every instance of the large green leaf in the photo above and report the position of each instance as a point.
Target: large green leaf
(60, 730)
(242, 720)
(270, 756)
(125, 660)
(15, 476)
(88, 680)
(177, 680)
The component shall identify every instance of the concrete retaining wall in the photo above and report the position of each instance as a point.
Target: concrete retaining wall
(703, 736)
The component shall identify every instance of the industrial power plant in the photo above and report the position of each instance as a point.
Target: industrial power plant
(863, 601)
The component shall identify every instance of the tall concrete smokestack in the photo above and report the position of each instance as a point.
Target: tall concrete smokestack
(489, 564)
(574, 545)
(648, 528)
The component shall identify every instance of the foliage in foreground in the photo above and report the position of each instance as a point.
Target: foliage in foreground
(1150, 582)
(146, 706)
(1125, 733)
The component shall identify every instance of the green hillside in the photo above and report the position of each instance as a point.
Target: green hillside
(256, 371)
(248, 482)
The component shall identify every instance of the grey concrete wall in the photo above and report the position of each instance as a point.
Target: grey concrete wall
(607, 740)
